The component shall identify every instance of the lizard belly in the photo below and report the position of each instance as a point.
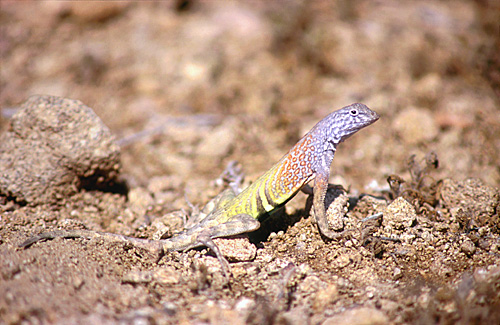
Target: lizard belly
(268, 192)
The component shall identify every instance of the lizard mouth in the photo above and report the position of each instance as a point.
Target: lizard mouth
(370, 120)
(362, 124)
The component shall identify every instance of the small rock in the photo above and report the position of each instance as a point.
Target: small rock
(415, 125)
(53, 147)
(237, 248)
(399, 215)
(337, 210)
(337, 203)
(468, 247)
(397, 273)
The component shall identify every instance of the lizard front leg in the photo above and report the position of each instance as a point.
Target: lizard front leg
(320, 188)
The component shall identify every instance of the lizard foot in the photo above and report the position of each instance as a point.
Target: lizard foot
(207, 241)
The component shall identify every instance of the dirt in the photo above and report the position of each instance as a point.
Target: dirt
(170, 93)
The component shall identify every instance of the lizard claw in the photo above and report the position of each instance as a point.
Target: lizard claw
(207, 241)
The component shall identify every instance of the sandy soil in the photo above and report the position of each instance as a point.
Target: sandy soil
(170, 93)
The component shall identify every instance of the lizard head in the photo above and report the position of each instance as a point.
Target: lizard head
(349, 120)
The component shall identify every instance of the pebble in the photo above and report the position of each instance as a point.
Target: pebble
(237, 248)
(468, 247)
(397, 273)
(399, 215)
(52, 144)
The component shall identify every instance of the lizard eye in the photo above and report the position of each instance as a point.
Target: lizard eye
(353, 112)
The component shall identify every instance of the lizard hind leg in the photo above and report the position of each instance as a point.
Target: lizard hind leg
(219, 201)
(213, 205)
(241, 223)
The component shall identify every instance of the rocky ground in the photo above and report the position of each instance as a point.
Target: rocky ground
(171, 93)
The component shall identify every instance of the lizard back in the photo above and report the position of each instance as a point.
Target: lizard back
(311, 155)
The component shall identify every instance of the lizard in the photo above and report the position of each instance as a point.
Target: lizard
(231, 214)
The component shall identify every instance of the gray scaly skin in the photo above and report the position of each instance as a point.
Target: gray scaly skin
(230, 214)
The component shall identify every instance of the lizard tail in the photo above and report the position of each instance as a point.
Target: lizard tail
(151, 246)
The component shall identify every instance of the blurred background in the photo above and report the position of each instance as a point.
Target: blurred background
(187, 86)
